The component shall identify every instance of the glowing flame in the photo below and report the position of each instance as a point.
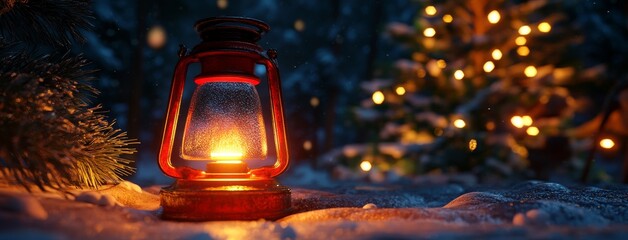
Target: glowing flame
(228, 148)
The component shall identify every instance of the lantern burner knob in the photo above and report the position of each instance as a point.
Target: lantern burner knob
(231, 29)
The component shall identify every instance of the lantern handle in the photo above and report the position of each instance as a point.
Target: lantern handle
(274, 84)
(174, 104)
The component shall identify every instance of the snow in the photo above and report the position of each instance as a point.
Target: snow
(335, 210)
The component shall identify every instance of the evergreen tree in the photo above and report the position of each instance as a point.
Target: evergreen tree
(50, 136)
(485, 88)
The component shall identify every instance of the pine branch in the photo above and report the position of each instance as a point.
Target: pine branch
(48, 135)
(53, 22)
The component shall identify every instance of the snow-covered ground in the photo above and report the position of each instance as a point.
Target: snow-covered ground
(343, 211)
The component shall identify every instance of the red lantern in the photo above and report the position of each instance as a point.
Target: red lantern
(225, 130)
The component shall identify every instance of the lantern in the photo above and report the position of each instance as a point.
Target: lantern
(220, 157)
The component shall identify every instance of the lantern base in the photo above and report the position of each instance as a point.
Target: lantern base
(211, 199)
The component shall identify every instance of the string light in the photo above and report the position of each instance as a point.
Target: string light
(448, 18)
(496, 54)
(156, 37)
(430, 10)
(525, 30)
(314, 102)
(307, 145)
(488, 66)
(378, 97)
(544, 27)
(429, 32)
(523, 51)
(366, 166)
(473, 144)
(458, 74)
(526, 120)
(520, 41)
(493, 17)
(222, 4)
(459, 123)
(517, 121)
(400, 91)
(441, 63)
(607, 143)
(530, 71)
(299, 25)
(532, 131)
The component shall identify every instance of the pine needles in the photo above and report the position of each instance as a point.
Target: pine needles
(49, 135)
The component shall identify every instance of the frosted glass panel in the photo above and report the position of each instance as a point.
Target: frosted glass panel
(224, 123)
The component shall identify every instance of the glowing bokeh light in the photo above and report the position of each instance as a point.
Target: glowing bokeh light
(494, 16)
(378, 97)
(496, 54)
(366, 166)
(458, 74)
(429, 32)
(530, 71)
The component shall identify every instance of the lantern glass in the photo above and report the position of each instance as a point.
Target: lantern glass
(224, 124)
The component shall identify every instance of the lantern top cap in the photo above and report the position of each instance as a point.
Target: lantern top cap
(230, 29)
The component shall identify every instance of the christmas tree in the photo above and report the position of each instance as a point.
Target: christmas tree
(486, 88)
(50, 135)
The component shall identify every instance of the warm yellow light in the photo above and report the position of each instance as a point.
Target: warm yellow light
(607, 143)
(493, 17)
(366, 166)
(314, 102)
(156, 37)
(225, 156)
(523, 51)
(378, 97)
(530, 71)
(526, 120)
(458, 74)
(400, 91)
(459, 123)
(307, 145)
(473, 144)
(429, 32)
(230, 161)
(222, 4)
(441, 63)
(299, 25)
(430, 10)
(545, 27)
(520, 41)
(496, 54)
(488, 66)
(448, 18)
(532, 131)
(517, 121)
(525, 30)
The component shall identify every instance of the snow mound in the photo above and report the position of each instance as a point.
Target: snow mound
(23, 204)
(477, 200)
(369, 206)
(97, 198)
(131, 195)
